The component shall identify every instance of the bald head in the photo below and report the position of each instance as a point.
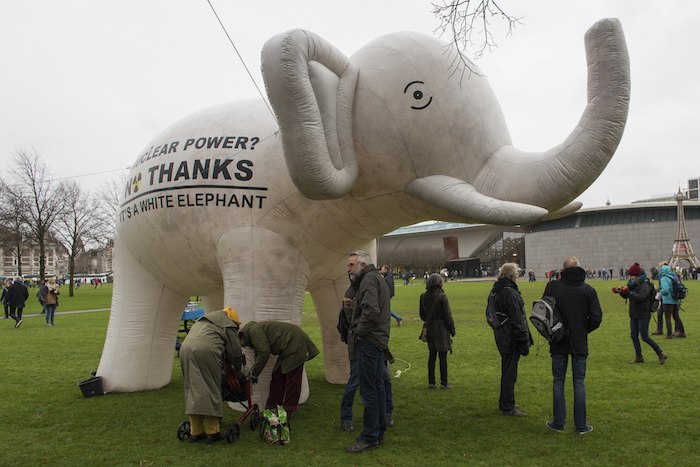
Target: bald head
(571, 262)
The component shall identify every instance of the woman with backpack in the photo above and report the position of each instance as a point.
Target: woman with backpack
(670, 303)
(440, 327)
(640, 293)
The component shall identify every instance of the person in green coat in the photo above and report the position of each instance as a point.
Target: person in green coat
(292, 346)
(211, 339)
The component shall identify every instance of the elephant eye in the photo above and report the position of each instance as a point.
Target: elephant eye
(422, 101)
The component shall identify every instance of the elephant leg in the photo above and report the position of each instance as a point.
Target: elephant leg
(143, 324)
(327, 301)
(327, 295)
(264, 278)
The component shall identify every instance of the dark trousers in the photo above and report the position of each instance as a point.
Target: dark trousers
(285, 389)
(640, 327)
(371, 371)
(509, 375)
(7, 310)
(443, 367)
(672, 311)
(16, 313)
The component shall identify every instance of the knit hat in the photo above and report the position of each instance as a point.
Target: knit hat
(635, 270)
(233, 315)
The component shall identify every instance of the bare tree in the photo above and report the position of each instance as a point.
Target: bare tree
(108, 197)
(468, 23)
(14, 233)
(36, 199)
(77, 225)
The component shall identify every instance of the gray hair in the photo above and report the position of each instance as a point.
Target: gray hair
(571, 262)
(508, 270)
(362, 256)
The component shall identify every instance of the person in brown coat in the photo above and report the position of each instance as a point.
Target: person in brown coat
(292, 346)
(436, 314)
(212, 337)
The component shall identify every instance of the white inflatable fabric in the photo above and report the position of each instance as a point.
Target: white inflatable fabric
(228, 205)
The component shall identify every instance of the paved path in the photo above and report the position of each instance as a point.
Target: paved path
(34, 315)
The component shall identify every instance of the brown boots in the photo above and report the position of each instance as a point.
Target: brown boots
(662, 358)
(638, 359)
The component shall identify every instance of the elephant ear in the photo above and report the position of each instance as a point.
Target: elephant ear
(311, 86)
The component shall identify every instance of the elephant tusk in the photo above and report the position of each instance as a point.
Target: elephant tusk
(461, 198)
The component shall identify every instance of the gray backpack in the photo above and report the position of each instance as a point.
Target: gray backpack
(547, 319)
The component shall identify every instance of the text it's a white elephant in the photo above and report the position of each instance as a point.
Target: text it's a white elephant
(225, 206)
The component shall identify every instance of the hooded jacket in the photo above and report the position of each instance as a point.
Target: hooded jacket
(289, 342)
(666, 285)
(580, 309)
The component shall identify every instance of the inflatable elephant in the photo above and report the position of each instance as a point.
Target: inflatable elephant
(251, 206)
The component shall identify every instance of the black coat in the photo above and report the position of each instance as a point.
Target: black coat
(639, 303)
(17, 295)
(514, 336)
(580, 309)
(435, 312)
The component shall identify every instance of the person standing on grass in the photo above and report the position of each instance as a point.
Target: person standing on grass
(48, 295)
(346, 402)
(211, 338)
(293, 348)
(638, 291)
(368, 339)
(5, 287)
(513, 338)
(581, 314)
(389, 278)
(17, 296)
(437, 316)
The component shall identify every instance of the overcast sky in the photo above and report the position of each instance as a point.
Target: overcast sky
(88, 83)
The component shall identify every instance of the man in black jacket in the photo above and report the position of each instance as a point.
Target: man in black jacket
(368, 338)
(513, 338)
(581, 314)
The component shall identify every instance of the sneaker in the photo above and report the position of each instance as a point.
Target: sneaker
(430, 386)
(445, 386)
(361, 445)
(18, 323)
(515, 413)
(390, 422)
(346, 425)
(679, 334)
(550, 424)
(584, 430)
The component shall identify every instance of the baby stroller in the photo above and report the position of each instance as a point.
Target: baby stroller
(235, 387)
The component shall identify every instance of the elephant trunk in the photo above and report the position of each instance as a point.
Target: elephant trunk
(562, 173)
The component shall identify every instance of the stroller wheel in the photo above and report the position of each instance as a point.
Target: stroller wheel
(183, 430)
(255, 419)
(233, 433)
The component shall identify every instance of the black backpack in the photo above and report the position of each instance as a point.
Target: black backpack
(679, 290)
(494, 318)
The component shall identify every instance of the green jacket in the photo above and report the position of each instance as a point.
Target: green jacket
(291, 345)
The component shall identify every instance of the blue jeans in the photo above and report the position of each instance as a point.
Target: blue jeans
(395, 316)
(578, 370)
(351, 387)
(641, 327)
(50, 312)
(371, 371)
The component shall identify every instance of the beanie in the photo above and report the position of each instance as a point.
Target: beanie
(635, 270)
(233, 315)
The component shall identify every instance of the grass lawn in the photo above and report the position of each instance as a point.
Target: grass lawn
(642, 414)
